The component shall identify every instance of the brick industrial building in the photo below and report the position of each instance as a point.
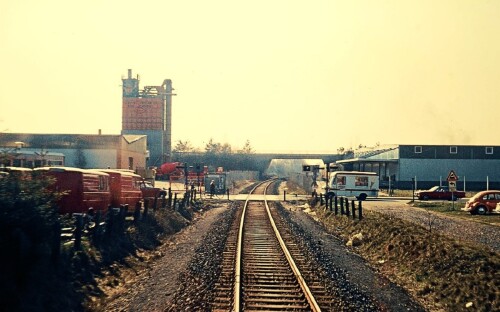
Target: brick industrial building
(148, 111)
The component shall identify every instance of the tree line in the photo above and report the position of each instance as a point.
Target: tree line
(216, 154)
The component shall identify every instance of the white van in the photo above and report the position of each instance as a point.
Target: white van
(353, 183)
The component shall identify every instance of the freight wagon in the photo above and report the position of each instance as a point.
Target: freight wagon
(125, 187)
(83, 189)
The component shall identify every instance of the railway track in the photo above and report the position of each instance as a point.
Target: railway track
(262, 265)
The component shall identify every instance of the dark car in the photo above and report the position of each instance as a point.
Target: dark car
(439, 192)
(483, 202)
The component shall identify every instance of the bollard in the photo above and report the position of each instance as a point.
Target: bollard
(360, 211)
(137, 212)
(284, 195)
(342, 205)
(347, 210)
(336, 205)
(321, 199)
(78, 230)
(353, 209)
(169, 197)
(227, 192)
(175, 201)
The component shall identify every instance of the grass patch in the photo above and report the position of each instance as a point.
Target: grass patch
(438, 271)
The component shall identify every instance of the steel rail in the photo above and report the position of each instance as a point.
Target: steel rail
(237, 277)
(237, 287)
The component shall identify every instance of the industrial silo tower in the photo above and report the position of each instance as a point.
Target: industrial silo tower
(148, 111)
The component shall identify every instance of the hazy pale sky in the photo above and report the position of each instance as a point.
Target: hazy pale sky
(290, 76)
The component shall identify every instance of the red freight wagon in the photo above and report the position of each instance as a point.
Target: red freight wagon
(85, 188)
(21, 172)
(125, 187)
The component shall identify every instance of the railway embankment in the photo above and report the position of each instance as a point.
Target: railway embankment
(439, 271)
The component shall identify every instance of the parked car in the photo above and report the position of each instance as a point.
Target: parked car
(483, 202)
(439, 192)
(151, 192)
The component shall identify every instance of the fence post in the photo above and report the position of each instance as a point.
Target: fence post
(97, 226)
(353, 209)
(78, 230)
(336, 205)
(347, 210)
(110, 220)
(146, 208)
(175, 200)
(360, 211)
(123, 215)
(155, 202)
(342, 205)
(321, 199)
(137, 212)
(169, 197)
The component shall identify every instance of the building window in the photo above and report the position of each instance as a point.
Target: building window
(453, 149)
(418, 149)
(489, 150)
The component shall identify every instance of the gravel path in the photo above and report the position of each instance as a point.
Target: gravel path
(459, 229)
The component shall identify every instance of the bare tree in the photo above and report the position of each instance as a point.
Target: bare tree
(247, 148)
(212, 147)
(183, 147)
